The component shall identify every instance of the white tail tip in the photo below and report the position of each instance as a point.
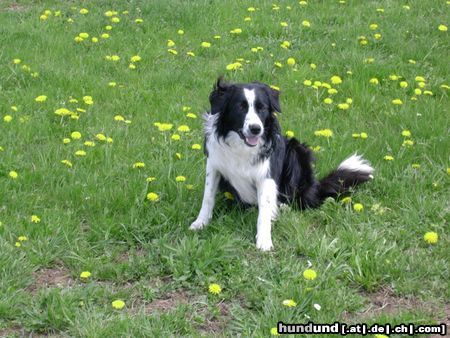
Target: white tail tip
(356, 163)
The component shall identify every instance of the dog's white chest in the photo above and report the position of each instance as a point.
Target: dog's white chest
(239, 167)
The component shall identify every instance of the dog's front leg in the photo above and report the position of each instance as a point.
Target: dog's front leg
(267, 205)
(209, 196)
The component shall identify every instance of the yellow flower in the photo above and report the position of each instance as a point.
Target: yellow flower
(393, 77)
(403, 84)
(83, 35)
(358, 207)
(100, 137)
(289, 134)
(374, 81)
(336, 80)
(442, 28)
(150, 179)
(332, 91)
(343, 106)
(251, 9)
(7, 118)
(17, 244)
(408, 143)
(22, 238)
(406, 133)
(152, 197)
(138, 165)
(196, 146)
(13, 174)
(88, 100)
(84, 11)
(278, 64)
(17, 61)
(388, 158)
(289, 303)
(85, 274)
(94, 39)
(191, 115)
(377, 36)
(346, 200)
(115, 19)
(234, 66)
(306, 23)
(138, 20)
(236, 31)
(41, 98)
(309, 274)
(415, 166)
(328, 100)
(283, 24)
(76, 135)
(324, 132)
(67, 163)
(291, 61)
(35, 219)
(135, 58)
(285, 44)
(228, 195)
(373, 26)
(180, 32)
(80, 153)
(104, 36)
(14, 108)
(183, 128)
(206, 44)
(163, 126)
(214, 288)
(78, 39)
(190, 54)
(431, 237)
(397, 102)
(118, 304)
(180, 179)
(175, 137)
(274, 331)
(418, 91)
(364, 135)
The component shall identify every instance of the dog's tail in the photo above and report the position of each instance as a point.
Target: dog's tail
(299, 183)
(351, 172)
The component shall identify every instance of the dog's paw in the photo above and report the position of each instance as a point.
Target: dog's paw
(197, 225)
(264, 244)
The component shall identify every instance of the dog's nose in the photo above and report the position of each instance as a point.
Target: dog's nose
(255, 129)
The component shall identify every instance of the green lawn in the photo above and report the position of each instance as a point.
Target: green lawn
(113, 120)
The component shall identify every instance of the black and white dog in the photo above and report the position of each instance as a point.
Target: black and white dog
(248, 156)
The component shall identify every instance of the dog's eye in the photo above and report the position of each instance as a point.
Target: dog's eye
(259, 106)
(244, 105)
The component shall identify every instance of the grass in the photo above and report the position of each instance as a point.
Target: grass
(373, 266)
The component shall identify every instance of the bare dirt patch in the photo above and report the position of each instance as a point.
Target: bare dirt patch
(51, 277)
(168, 303)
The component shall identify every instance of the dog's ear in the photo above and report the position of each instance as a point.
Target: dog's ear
(218, 97)
(273, 99)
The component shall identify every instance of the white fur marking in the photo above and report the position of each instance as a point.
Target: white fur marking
(268, 208)
(356, 163)
(251, 117)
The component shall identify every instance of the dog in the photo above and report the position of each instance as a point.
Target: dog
(248, 156)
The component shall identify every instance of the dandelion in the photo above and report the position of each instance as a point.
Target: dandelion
(196, 146)
(35, 219)
(408, 143)
(234, 66)
(278, 64)
(138, 20)
(403, 84)
(388, 158)
(274, 331)
(135, 58)
(76, 135)
(13, 174)
(397, 102)
(191, 115)
(7, 118)
(118, 304)
(172, 51)
(332, 91)
(358, 207)
(418, 91)
(364, 135)
(406, 133)
(328, 100)
(205, 44)
(41, 98)
(83, 35)
(104, 36)
(88, 100)
(336, 80)
(85, 274)
(115, 19)
(214, 288)
(431, 237)
(152, 197)
(309, 274)
(236, 31)
(228, 195)
(94, 39)
(346, 200)
(180, 179)
(80, 153)
(306, 23)
(324, 133)
(289, 134)
(180, 32)
(66, 140)
(373, 26)
(307, 83)
(67, 163)
(183, 128)
(251, 9)
(84, 11)
(283, 24)
(442, 28)
(285, 44)
(415, 166)
(138, 165)
(100, 137)
(291, 61)
(190, 54)
(22, 238)
(175, 137)
(17, 61)
(377, 36)
(150, 179)
(343, 106)
(289, 303)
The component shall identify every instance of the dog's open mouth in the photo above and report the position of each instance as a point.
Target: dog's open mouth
(251, 141)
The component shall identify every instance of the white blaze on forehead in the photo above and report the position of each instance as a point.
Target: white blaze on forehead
(251, 117)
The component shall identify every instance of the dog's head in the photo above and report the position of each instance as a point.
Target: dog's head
(244, 109)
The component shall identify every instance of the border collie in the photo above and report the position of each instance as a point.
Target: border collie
(248, 156)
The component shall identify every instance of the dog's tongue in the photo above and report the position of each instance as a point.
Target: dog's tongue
(252, 140)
